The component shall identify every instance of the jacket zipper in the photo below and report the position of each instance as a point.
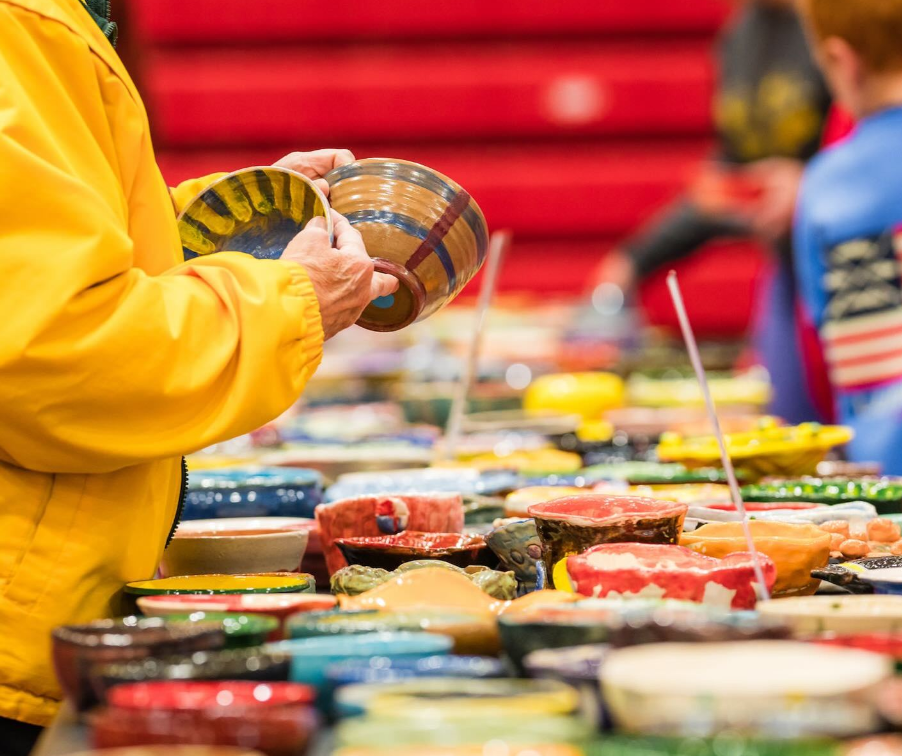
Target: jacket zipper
(183, 492)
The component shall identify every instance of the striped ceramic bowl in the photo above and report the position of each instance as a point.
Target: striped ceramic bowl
(419, 226)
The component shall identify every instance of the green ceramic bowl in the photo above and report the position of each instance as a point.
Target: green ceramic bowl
(214, 584)
(241, 630)
(727, 744)
(884, 494)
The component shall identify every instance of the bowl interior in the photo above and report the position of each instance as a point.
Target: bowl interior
(194, 695)
(598, 509)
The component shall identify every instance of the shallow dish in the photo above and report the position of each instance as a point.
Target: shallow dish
(172, 750)
(172, 695)
(571, 525)
(884, 494)
(76, 649)
(218, 584)
(241, 630)
(809, 615)
(233, 552)
(391, 551)
(381, 669)
(356, 579)
(467, 482)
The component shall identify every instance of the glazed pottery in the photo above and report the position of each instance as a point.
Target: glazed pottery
(588, 395)
(252, 492)
(887, 644)
(276, 582)
(310, 657)
(473, 633)
(334, 460)
(374, 516)
(571, 525)
(467, 482)
(447, 698)
(529, 463)
(513, 749)
(626, 745)
(517, 545)
(518, 502)
(171, 750)
(540, 422)
(800, 513)
(809, 615)
(630, 570)
(744, 392)
(881, 575)
(356, 579)
(276, 731)
(391, 551)
(697, 494)
(772, 450)
(233, 664)
(78, 648)
(795, 549)
(418, 226)
(767, 688)
(210, 694)
(234, 552)
(652, 422)
(839, 469)
(281, 605)
(255, 210)
(577, 666)
(884, 494)
(241, 630)
(655, 474)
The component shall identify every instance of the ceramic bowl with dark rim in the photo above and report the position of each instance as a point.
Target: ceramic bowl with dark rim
(233, 552)
(391, 551)
(211, 585)
(76, 649)
(172, 750)
(241, 630)
(232, 664)
(419, 226)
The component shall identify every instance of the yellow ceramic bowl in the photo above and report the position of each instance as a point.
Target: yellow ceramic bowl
(510, 749)
(534, 462)
(589, 395)
(749, 389)
(690, 493)
(795, 549)
(771, 450)
(517, 503)
(273, 582)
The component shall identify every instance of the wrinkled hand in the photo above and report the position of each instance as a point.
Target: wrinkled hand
(342, 275)
(771, 216)
(316, 164)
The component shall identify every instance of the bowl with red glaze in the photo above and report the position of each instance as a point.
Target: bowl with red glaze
(665, 571)
(887, 644)
(573, 524)
(199, 695)
(391, 551)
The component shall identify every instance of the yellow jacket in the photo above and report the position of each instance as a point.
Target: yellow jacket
(115, 359)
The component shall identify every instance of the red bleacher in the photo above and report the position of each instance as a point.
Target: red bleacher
(570, 122)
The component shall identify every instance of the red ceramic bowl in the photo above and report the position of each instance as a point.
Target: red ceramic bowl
(172, 695)
(888, 644)
(391, 551)
(272, 731)
(764, 506)
(77, 649)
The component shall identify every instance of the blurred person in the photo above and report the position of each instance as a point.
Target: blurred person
(848, 227)
(115, 356)
(770, 107)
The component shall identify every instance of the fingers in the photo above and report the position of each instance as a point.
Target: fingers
(322, 185)
(382, 285)
(317, 163)
(347, 238)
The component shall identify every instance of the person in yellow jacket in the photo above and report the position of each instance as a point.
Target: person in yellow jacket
(116, 357)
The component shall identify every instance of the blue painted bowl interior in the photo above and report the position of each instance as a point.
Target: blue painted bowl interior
(387, 669)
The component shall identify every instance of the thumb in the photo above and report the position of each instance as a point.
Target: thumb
(317, 222)
(382, 285)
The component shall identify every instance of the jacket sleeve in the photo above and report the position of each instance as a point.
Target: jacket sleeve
(101, 364)
(188, 190)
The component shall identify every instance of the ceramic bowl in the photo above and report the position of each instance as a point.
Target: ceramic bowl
(513, 749)
(571, 525)
(884, 494)
(809, 615)
(518, 548)
(795, 549)
(310, 657)
(588, 395)
(631, 745)
(630, 570)
(241, 630)
(170, 695)
(252, 492)
(767, 688)
(255, 210)
(549, 424)
(374, 516)
(234, 664)
(390, 552)
(740, 392)
(78, 648)
(518, 502)
(276, 582)
(418, 226)
(172, 750)
(467, 482)
(880, 575)
(273, 731)
(579, 667)
(233, 552)
(887, 644)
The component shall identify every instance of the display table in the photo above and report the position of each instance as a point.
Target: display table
(63, 737)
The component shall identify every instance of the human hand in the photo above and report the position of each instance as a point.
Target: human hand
(342, 275)
(771, 215)
(615, 268)
(316, 164)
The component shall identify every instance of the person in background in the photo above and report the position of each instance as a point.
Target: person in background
(770, 107)
(116, 357)
(848, 226)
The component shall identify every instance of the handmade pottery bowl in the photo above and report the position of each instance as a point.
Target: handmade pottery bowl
(233, 552)
(253, 492)
(518, 547)
(795, 549)
(518, 502)
(772, 450)
(809, 615)
(549, 424)
(513, 749)
(579, 667)
(743, 392)
(473, 633)
(195, 695)
(356, 579)
(630, 570)
(571, 525)
(78, 648)
(233, 664)
(588, 395)
(374, 516)
(391, 551)
(885, 493)
(467, 482)
(419, 226)
(276, 582)
(743, 687)
(531, 464)
(887, 644)
(172, 750)
(311, 657)
(683, 493)
(255, 210)
(241, 630)
(881, 575)
(281, 605)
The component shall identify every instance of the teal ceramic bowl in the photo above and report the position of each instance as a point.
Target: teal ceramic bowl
(241, 630)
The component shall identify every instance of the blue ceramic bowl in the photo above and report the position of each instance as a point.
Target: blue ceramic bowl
(423, 481)
(253, 492)
(311, 657)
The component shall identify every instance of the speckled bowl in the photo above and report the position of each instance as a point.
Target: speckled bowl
(252, 492)
(389, 552)
(518, 547)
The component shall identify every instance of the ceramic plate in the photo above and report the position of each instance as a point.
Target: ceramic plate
(213, 584)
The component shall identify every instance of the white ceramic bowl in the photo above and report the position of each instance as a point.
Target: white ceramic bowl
(838, 614)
